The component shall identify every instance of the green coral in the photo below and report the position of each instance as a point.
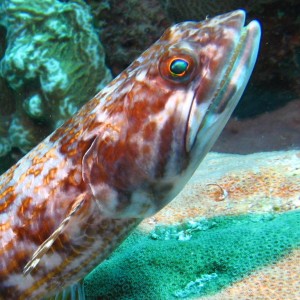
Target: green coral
(54, 62)
(224, 251)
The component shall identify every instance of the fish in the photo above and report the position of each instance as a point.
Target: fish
(68, 203)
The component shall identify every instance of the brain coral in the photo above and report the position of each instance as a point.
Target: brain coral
(53, 63)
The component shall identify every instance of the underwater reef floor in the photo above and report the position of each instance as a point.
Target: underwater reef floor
(232, 233)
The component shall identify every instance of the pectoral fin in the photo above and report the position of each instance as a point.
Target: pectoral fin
(46, 245)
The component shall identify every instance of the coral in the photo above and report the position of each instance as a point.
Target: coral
(195, 287)
(53, 63)
(248, 241)
(6, 109)
(276, 281)
(143, 268)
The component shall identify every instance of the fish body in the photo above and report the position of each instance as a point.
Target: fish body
(67, 204)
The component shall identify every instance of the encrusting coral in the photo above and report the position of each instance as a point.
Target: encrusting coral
(52, 64)
(232, 233)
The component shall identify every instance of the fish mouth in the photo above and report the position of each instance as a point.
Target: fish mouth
(207, 117)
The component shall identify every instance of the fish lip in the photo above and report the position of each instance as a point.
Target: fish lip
(228, 94)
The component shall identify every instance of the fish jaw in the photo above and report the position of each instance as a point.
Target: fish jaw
(210, 112)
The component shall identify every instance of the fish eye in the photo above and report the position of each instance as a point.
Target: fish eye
(178, 68)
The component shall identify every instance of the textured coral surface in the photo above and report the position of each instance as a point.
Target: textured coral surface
(53, 63)
(233, 233)
(268, 283)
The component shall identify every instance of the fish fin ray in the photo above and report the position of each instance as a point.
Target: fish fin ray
(47, 244)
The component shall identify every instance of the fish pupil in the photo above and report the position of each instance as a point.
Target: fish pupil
(178, 67)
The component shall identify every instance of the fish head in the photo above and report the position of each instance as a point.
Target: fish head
(207, 66)
(172, 103)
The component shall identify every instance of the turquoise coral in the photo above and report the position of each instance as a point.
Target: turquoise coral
(236, 246)
(53, 63)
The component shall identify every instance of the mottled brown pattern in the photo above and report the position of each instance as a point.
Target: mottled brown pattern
(149, 131)
(70, 201)
(165, 146)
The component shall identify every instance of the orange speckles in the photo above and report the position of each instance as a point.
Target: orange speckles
(22, 177)
(8, 201)
(65, 147)
(71, 131)
(39, 160)
(71, 141)
(77, 134)
(72, 152)
(92, 123)
(123, 75)
(40, 146)
(266, 182)
(4, 226)
(32, 171)
(51, 154)
(57, 134)
(9, 190)
(8, 197)
(36, 190)
(74, 177)
(49, 176)
(81, 148)
(24, 207)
